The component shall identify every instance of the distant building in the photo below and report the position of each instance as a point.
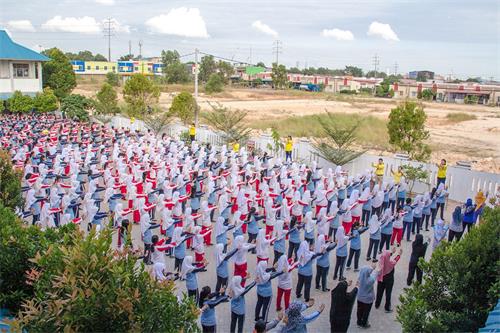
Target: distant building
(428, 75)
(131, 67)
(20, 68)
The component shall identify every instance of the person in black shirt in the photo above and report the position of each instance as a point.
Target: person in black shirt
(418, 251)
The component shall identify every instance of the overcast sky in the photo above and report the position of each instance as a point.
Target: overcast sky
(446, 36)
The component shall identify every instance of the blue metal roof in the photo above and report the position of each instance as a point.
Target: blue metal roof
(13, 51)
(493, 322)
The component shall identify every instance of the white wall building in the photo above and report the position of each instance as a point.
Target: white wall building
(20, 68)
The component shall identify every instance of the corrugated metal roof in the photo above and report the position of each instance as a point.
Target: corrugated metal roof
(493, 322)
(13, 51)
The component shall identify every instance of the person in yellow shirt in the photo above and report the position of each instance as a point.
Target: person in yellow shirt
(288, 149)
(397, 175)
(236, 147)
(441, 175)
(379, 170)
(192, 132)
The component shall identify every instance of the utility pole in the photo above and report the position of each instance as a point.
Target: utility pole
(376, 62)
(140, 49)
(250, 55)
(277, 47)
(396, 68)
(129, 47)
(108, 32)
(196, 86)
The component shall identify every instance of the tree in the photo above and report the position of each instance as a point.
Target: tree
(378, 74)
(85, 56)
(19, 102)
(100, 57)
(140, 92)
(225, 70)
(207, 68)
(277, 144)
(58, 73)
(461, 283)
(338, 147)
(230, 122)
(113, 79)
(76, 106)
(354, 71)
(278, 75)
(126, 57)
(10, 182)
(175, 71)
(87, 287)
(407, 132)
(261, 64)
(427, 94)
(474, 79)
(158, 120)
(214, 84)
(45, 101)
(184, 106)
(384, 89)
(414, 174)
(107, 100)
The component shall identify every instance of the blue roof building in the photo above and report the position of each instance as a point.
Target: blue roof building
(20, 68)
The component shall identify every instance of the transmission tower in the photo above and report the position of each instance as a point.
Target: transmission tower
(376, 62)
(109, 32)
(277, 49)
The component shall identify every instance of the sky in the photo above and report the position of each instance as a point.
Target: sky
(459, 37)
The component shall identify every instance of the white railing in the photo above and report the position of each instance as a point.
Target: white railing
(462, 183)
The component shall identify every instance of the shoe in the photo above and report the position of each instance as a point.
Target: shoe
(379, 252)
(325, 290)
(356, 270)
(347, 268)
(426, 229)
(335, 278)
(368, 258)
(377, 306)
(298, 295)
(388, 311)
(317, 287)
(375, 260)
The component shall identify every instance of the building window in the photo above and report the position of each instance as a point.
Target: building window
(96, 68)
(36, 70)
(113, 68)
(413, 93)
(105, 68)
(21, 70)
(88, 68)
(136, 69)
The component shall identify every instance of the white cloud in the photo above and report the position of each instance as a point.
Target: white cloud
(105, 2)
(382, 30)
(21, 25)
(85, 24)
(338, 34)
(182, 21)
(117, 26)
(264, 28)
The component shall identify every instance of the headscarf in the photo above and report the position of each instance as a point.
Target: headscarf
(303, 253)
(366, 293)
(386, 265)
(219, 226)
(374, 224)
(340, 237)
(236, 287)
(158, 271)
(260, 242)
(283, 264)
(278, 229)
(439, 230)
(177, 236)
(219, 253)
(294, 315)
(187, 266)
(457, 215)
(262, 275)
(480, 199)
(238, 241)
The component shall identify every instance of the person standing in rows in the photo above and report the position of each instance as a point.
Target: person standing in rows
(418, 249)
(342, 303)
(374, 230)
(386, 278)
(386, 230)
(207, 303)
(237, 295)
(305, 258)
(407, 219)
(456, 228)
(366, 295)
(441, 194)
(342, 240)
(284, 281)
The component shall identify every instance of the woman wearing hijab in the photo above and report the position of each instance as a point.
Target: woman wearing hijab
(322, 263)
(440, 230)
(295, 321)
(366, 295)
(375, 235)
(341, 306)
(342, 240)
(441, 195)
(237, 295)
(284, 281)
(418, 251)
(221, 230)
(386, 229)
(188, 273)
(456, 227)
(264, 291)
(386, 278)
(221, 260)
(279, 243)
(262, 246)
(207, 303)
(240, 258)
(180, 247)
(468, 219)
(334, 218)
(305, 258)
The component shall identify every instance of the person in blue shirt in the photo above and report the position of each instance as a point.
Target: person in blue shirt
(355, 246)
(407, 219)
(221, 262)
(188, 272)
(264, 291)
(279, 242)
(253, 226)
(342, 240)
(401, 194)
(294, 238)
(237, 295)
(386, 230)
(305, 258)
(180, 247)
(375, 235)
(433, 207)
(207, 303)
(468, 212)
(323, 248)
(426, 211)
(441, 194)
(295, 321)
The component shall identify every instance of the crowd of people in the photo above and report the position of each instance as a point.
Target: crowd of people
(291, 218)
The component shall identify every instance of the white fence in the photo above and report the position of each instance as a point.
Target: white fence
(462, 183)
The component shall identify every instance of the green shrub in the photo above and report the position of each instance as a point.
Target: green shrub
(107, 100)
(45, 101)
(184, 106)
(113, 79)
(348, 92)
(214, 84)
(10, 182)
(461, 283)
(457, 117)
(471, 99)
(76, 106)
(19, 102)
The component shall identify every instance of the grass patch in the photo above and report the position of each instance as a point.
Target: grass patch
(457, 117)
(372, 132)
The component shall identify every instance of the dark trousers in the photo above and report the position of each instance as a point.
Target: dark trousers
(288, 156)
(331, 233)
(237, 319)
(363, 313)
(400, 203)
(412, 269)
(407, 230)
(251, 238)
(467, 226)
(392, 205)
(377, 211)
(194, 294)
(262, 307)
(384, 239)
(440, 181)
(433, 216)
(353, 253)
(304, 281)
(365, 217)
(454, 235)
(440, 208)
(221, 282)
(292, 249)
(339, 268)
(372, 247)
(178, 264)
(426, 218)
(417, 224)
(385, 286)
(208, 329)
(321, 275)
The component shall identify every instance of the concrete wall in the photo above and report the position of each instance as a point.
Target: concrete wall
(29, 85)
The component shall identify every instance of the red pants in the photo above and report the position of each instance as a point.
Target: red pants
(269, 230)
(356, 219)
(281, 293)
(347, 227)
(198, 257)
(244, 226)
(397, 233)
(241, 270)
(208, 238)
(137, 216)
(189, 242)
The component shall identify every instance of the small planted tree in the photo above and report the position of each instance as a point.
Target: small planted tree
(461, 283)
(414, 174)
(427, 95)
(76, 106)
(279, 76)
(407, 132)
(45, 101)
(184, 107)
(231, 123)
(277, 144)
(140, 92)
(19, 102)
(107, 100)
(338, 147)
(113, 79)
(158, 120)
(214, 84)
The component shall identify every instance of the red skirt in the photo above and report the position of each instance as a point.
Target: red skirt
(347, 227)
(241, 270)
(137, 216)
(198, 257)
(208, 238)
(269, 230)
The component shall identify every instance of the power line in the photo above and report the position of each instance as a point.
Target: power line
(226, 59)
(108, 32)
(375, 62)
(277, 49)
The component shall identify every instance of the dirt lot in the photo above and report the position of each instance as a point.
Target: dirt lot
(476, 140)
